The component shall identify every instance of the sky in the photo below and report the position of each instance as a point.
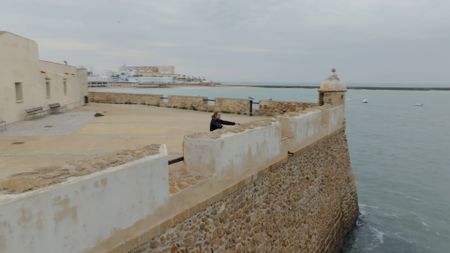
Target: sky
(367, 41)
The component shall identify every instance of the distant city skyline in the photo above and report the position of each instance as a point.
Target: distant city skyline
(373, 41)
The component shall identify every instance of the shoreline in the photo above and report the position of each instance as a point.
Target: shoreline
(348, 87)
(213, 85)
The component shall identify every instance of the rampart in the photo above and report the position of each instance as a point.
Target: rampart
(276, 185)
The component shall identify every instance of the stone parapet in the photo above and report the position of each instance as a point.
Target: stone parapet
(124, 98)
(273, 108)
(188, 102)
(75, 215)
(302, 129)
(229, 105)
(230, 152)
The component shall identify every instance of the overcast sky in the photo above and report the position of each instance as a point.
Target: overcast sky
(382, 41)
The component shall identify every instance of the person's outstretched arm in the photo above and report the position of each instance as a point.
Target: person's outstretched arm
(224, 122)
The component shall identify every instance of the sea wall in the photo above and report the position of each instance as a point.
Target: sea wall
(124, 98)
(75, 215)
(307, 203)
(188, 102)
(232, 105)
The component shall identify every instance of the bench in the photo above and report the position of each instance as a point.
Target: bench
(55, 107)
(35, 112)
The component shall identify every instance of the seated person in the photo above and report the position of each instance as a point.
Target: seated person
(216, 122)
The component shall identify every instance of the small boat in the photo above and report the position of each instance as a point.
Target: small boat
(418, 104)
(364, 101)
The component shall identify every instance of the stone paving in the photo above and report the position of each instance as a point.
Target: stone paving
(180, 178)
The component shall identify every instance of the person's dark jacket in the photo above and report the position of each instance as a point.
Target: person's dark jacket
(217, 124)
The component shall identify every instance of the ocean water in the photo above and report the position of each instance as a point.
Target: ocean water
(400, 156)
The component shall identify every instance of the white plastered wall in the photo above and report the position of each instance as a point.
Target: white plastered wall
(232, 154)
(311, 126)
(75, 215)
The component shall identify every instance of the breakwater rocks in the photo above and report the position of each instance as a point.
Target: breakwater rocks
(306, 204)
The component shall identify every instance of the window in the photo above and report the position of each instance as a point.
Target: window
(65, 86)
(47, 88)
(19, 92)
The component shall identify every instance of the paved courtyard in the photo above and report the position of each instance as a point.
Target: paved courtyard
(71, 136)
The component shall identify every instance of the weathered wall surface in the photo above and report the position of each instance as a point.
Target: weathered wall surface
(188, 102)
(332, 98)
(311, 125)
(124, 98)
(229, 105)
(77, 214)
(272, 108)
(253, 147)
(307, 204)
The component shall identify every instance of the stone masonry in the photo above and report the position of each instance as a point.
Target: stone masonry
(188, 102)
(306, 204)
(232, 105)
(124, 98)
(272, 108)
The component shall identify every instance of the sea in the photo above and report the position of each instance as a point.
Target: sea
(399, 144)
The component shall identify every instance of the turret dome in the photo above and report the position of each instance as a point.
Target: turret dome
(333, 83)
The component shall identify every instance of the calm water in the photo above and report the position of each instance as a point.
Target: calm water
(400, 156)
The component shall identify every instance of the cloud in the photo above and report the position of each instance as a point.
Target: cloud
(290, 40)
(67, 44)
(244, 49)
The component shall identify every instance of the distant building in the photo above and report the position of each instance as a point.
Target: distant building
(27, 82)
(146, 74)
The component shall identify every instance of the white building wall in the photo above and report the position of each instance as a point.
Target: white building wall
(19, 62)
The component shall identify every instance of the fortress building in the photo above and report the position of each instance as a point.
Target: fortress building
(28, 84)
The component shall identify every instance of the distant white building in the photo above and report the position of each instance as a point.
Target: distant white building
(146, 74)
(27, 82)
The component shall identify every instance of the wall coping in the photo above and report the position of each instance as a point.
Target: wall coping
(10, 197)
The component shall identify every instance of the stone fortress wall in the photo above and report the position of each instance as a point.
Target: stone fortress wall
(307, 203)
(276, 185)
